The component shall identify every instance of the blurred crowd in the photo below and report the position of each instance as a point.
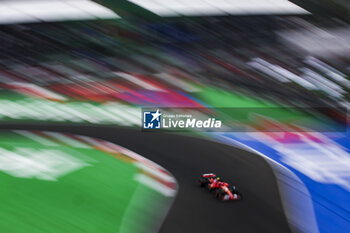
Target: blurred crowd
(163, 62)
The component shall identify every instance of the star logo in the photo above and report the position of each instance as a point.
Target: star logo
(156, 115)
(152, 119)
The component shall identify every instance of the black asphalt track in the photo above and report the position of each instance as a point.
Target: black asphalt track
(195, 210)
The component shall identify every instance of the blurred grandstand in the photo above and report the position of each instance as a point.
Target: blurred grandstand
(287, 58)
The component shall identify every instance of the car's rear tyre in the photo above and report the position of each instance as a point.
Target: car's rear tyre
(202, 182)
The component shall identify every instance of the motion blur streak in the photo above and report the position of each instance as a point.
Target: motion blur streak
(68, 170)
(20, 11)
(219, 7)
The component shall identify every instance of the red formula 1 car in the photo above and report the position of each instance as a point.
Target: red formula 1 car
(222, 190)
